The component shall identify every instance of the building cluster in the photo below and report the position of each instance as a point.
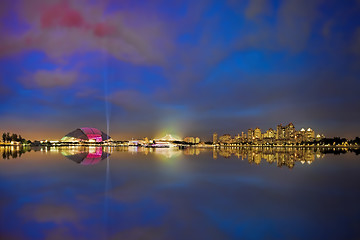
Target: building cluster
(193, 140)
(281, 135)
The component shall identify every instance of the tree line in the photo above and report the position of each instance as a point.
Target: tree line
(7, 137)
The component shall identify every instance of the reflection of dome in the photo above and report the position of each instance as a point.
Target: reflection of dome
(85, 156)
(85, 135)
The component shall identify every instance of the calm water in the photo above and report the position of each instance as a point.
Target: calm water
(79, 193)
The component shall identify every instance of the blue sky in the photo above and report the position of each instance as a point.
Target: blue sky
(184, 67)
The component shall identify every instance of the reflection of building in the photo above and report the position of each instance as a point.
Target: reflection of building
(85, 156)
(280, 156)
(85, 135)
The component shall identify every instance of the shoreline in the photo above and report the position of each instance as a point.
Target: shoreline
(184, 146)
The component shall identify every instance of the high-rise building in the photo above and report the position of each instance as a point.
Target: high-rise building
(280, 132)
(250, 135)
(270, 133)
(257, 133)
(309, 135)
(215, 138)
(290, 131)
(197, 140)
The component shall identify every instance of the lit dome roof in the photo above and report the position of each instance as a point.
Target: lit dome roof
(85, 134)
(169, 138)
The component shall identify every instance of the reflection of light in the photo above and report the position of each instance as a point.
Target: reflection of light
(85, 156)
(167, 152)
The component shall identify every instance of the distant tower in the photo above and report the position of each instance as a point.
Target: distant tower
(280, 132)
(215, 138)
(250, 135)
(290, 131)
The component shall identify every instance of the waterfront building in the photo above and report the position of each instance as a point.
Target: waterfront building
(310, 135)
(189, 140)
(86, 134)
(290, 132)
(215, 138)
(225, 139)
(243, 136)
(270, 133)
(280, 132)
(250, 135)
(282, 135)
(257, 134)
(319, 137)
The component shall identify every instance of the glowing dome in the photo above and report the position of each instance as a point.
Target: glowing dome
(85, 135)
(169, 138)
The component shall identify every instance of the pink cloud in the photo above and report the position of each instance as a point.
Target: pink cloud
(103, 29)
(62, 15)
(63, 28)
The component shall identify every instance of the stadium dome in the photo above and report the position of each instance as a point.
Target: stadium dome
(85, 135)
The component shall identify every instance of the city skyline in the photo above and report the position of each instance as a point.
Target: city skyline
(154, 67)
(286, 132)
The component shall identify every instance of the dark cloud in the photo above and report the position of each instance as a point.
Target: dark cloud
(257, 8)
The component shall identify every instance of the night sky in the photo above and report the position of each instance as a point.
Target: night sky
(182, 67)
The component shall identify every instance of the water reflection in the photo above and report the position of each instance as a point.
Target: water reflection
(281, 156)
(9, 152)
(188, 195)
(85, 155)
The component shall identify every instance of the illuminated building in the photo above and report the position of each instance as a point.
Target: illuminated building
(270, 133)
(250, 134)
(197, 140)
(91, 135)
(189, 139)
(280, 132)
(302, 134)
(319, 137)
(215, 138)
(238, 139)
(226, 138)
(309, 135)
(290, 132)
(257, 133)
